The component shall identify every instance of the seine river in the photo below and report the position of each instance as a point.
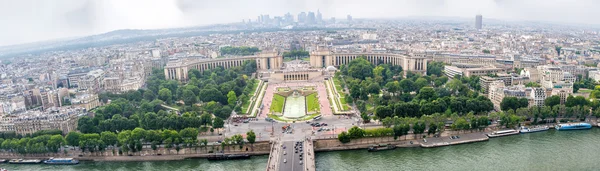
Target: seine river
(551, 150)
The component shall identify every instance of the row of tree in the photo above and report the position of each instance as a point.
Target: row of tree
(242, 50)
(296, 53)
(125, 141)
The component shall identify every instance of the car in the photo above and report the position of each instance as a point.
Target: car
(308, 122)
(284, 147)
(235, 125)
(300, 162)
(296, 151)
(424, 140)
(284, 152)
(284, 160)
(301, 158)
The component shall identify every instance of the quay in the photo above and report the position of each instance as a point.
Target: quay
(446, 141)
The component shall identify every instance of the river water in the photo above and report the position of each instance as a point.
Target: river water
(551, 150)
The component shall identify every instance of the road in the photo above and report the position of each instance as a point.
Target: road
(292, 159)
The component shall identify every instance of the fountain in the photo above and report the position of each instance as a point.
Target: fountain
(294, 106)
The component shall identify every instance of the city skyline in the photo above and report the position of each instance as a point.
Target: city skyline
(63, 19)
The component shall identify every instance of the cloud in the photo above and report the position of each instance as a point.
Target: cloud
(34, 20)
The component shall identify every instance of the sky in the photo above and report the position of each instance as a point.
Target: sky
(25, 21)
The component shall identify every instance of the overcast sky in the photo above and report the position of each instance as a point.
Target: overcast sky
(24, 21)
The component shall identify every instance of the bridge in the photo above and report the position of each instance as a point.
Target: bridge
(292, 156)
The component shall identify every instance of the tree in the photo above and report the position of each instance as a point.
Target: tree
(73, 138)
(212, 94)
(165, 95)
(188, 96)
(575, 101)
(109, 138)
(360, 68)
(513, 103)
(238, 139)
(427, 93)
(435, 68)
(420, 83)
(86, 125)
(383, 111)
(231, 98)
(251, 137)
(407, 85)
(552, 101)
(432, 129)
(419, 128)
(206, 119)
(218, 123)
(393, 87)
(355, 132)
(373, 88)
(224, 113)
(344, 137)
(55, 142)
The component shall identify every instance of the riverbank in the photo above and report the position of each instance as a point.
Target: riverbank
(261, 148)
(548, 150)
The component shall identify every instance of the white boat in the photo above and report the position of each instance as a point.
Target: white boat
(502, 133)
(536, 129)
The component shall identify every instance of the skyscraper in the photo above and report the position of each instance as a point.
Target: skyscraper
(302, 17)
(311, 18)
(319, 17)
(478, 21)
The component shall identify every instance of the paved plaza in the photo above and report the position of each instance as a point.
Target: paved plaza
(321, 93)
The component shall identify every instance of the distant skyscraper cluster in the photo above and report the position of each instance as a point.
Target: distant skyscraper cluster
(304, 18)
(478, 22)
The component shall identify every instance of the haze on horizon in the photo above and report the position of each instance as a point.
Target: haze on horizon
(26, 21)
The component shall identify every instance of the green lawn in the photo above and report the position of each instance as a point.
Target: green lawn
(338, 86)
(277, 103)
(261, 94)
(312, 103)
(246, 104)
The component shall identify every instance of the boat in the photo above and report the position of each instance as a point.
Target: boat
(573, 126)
(502, 133)
(21, 161)
(61, 161)
(381, 147)
(535, 129)
(3, 169)
(228, 157)
(3, 160)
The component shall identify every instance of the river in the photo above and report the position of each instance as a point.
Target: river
(551, 150)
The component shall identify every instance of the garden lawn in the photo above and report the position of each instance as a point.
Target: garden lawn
(246, 104)
(277, 103)
(312, 103)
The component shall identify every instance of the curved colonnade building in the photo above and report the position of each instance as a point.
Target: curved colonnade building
(178, 69)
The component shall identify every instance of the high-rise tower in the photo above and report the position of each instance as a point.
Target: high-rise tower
(478, 21)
